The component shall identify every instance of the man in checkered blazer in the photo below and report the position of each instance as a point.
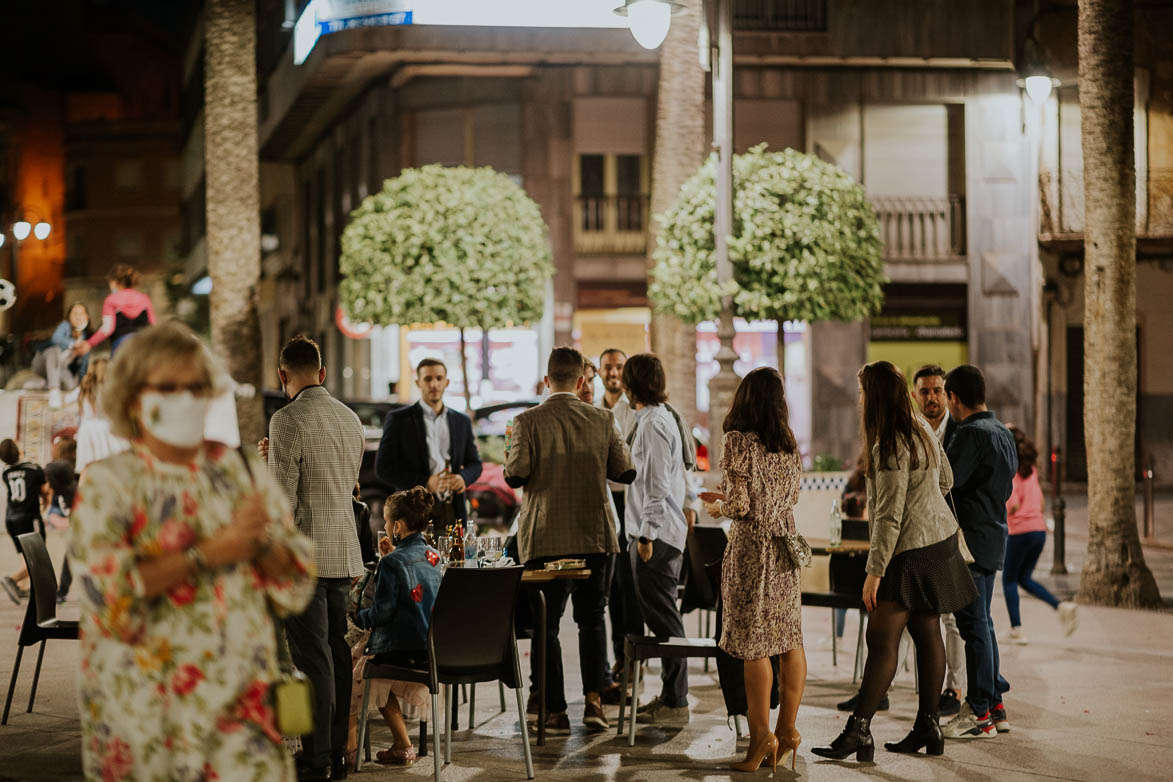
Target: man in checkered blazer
(315, 448)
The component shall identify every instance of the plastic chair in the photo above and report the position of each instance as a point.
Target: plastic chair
(704, 546)
(471, 639)
(637, 648)
(40, 620)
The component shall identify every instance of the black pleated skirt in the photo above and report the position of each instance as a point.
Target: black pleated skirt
(930, 579)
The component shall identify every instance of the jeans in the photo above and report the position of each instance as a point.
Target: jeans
(317, 644)
(985, 681)
(655, 583)
(53, 364)
(1022, 554)
(589, 599)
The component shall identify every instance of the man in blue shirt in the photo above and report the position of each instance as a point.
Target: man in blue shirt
(655, 519)
(984, 458)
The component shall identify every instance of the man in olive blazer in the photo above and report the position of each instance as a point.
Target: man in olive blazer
(562, 453)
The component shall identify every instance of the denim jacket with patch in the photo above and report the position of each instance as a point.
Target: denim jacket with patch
(406, 583)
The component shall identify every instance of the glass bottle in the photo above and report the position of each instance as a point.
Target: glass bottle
(836, 531)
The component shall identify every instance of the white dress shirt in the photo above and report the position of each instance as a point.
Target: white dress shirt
(655, 500)
(624, 415)
(439, 438)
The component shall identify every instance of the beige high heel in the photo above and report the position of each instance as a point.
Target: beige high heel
(788, 746)
(757, 755)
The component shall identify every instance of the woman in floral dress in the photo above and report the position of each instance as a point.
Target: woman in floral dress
(761, 600)
(183, 561)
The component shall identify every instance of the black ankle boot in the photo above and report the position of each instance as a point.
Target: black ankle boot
(926, 732)
(856, 739)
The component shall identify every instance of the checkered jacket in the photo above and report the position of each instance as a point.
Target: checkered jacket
(562, 452)
(315, 450)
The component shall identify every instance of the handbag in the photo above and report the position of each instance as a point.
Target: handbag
(796, 550)
(292, 693)
(962, 546)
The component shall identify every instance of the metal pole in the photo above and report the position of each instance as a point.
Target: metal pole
(1059, 509)
(724, 383)
(1150, 521)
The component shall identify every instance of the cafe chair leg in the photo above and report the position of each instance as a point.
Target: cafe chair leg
(450, 698)
(362, 725)
(623, 688)
(423, 753)
(501, 690)
(36, 675)
(437, 721)
(634, 700)
(472, 705)
(12, 684)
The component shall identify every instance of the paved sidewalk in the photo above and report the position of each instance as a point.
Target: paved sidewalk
(1096, 706)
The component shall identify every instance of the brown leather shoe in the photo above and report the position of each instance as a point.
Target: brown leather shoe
(558, 724)
(593, 716)
(612, 696)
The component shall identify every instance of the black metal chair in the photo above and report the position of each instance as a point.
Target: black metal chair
(704, 547)
(40, 620)
(471, 639)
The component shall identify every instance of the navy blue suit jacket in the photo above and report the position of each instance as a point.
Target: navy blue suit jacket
(402, 461)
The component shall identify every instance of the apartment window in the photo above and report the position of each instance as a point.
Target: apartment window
(792, 16)
(611, 199)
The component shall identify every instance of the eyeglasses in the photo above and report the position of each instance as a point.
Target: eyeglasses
(195, 389)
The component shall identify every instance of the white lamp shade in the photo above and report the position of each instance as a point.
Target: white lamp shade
(1038, 88)
(21, 230)
(41, 230)
(649, 21)
(2, 237)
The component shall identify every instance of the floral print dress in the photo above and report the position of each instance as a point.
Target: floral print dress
(175, 688)
(761, 599)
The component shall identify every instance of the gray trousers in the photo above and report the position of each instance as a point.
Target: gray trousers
(954, 655)
(655, 584)
(52, 363)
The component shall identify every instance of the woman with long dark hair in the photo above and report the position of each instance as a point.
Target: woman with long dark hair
(1028, 534)
(915, 571)
(761, 599)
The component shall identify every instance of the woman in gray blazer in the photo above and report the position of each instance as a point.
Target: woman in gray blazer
(915, 568)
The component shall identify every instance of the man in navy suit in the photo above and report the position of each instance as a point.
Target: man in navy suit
(427, 444)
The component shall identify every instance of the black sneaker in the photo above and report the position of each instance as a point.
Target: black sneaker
(998, 717)
(531, 705)
(338, 768)
(853, 701)
(950, 703)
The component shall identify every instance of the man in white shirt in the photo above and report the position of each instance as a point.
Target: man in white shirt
(623, 605)
(655, 519)
(929, 384)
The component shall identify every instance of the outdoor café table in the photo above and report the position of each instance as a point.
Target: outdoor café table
(535, 577)
(820, 547)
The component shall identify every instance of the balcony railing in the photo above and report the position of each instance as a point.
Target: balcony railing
(921, 228)
(611, 224)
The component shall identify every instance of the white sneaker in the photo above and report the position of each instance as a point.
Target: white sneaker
(967, 726)
(1017, 637)
(55, 400)
(1068, 616)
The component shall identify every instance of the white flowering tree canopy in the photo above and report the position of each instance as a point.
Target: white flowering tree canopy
(465, 246)
(805, 245)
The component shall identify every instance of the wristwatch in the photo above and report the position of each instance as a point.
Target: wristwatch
(194, 557)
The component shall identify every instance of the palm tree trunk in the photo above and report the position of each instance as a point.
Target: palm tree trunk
(1114, 572)
(679, 150)
(233, 198)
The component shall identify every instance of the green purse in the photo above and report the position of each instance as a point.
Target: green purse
(292, 694)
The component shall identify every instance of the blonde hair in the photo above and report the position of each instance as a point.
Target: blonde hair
(91, 382)
(147, 349)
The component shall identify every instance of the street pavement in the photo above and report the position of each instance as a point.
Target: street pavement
(1095, 706)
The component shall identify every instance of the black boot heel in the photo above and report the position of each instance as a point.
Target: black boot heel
(926, 732)
(856, 739)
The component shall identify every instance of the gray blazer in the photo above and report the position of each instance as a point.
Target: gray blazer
(315, 451)
(907, 507)
(562, 452)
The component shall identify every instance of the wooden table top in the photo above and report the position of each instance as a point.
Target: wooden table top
(823, 546)
(542, 576)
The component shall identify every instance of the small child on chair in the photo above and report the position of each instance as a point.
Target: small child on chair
(406, 583)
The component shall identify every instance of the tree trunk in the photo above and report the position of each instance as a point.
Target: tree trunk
(679, 151)
(233, 198)
(1114, 572)
(464, 374)
(780, 350)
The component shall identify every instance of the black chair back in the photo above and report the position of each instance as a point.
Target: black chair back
(43, 581)
(699, 590)
(472, 623)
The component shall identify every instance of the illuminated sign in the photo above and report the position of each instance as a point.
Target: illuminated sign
(322, 17)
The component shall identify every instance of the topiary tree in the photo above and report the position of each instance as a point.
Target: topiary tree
(805, 245)
(464, 246)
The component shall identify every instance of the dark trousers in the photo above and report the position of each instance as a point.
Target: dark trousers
(655, 584)
(626, 618)
(317, 644)
(66, 579)
(1022, 554)
(985, 682)
(589, 600)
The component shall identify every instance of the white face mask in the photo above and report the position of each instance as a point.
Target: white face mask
(177, 418)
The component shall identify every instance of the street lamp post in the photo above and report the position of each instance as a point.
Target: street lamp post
(724, 383)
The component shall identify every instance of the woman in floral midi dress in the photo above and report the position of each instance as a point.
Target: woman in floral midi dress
(175, 687)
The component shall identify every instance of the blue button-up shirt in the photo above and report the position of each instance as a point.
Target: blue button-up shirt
(439, 438)
(655, 501)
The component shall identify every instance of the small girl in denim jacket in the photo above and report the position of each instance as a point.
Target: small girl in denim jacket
(406, 583)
